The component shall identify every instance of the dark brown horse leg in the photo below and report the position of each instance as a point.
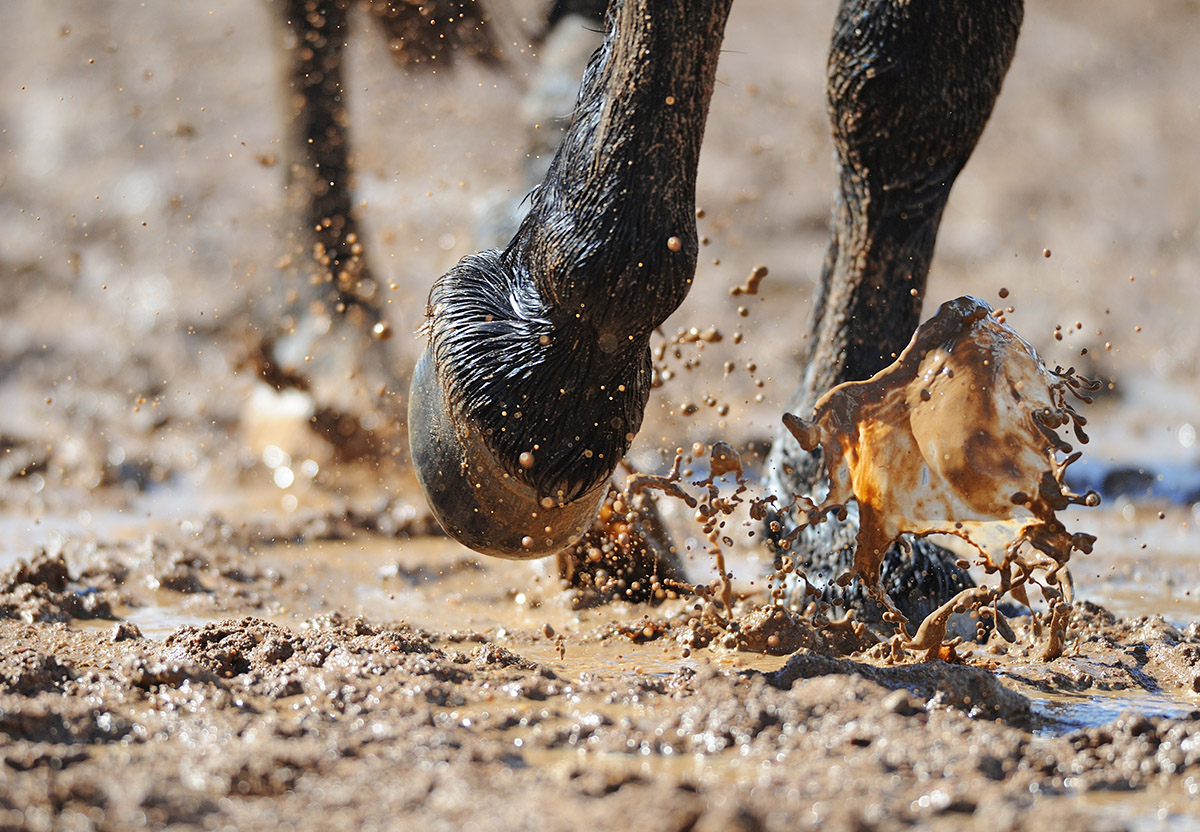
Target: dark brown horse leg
(910, 87)
(537, 370)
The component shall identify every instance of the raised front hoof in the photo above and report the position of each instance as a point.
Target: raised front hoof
(473, 497)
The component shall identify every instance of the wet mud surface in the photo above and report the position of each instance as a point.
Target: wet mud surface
(209, 619)
(469, 690)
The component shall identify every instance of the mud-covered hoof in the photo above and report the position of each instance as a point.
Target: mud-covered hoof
(474, 498)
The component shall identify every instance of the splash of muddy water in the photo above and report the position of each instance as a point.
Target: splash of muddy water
(959, 436)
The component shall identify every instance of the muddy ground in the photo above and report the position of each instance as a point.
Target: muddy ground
(208, 620)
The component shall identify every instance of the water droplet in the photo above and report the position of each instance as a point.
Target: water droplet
(1187, 435)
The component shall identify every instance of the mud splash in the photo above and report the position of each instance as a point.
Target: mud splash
(959, 435)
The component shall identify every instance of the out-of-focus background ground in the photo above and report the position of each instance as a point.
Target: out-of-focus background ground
(141, 165)
(142, 219)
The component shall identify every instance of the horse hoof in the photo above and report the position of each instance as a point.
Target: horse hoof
(475, 499)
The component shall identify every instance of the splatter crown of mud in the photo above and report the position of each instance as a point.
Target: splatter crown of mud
(959, 434)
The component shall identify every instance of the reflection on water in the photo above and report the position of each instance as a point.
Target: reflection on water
(154, 622)
(1062, 713)
(159, 507)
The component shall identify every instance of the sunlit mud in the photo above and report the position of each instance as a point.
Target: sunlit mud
(209, 619)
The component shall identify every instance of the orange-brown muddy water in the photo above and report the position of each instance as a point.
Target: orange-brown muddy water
(960, 432)
(207, 620)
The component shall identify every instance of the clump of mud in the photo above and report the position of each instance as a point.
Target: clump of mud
(203, 573)
(43, 590)
(247, 722)
(775, 630)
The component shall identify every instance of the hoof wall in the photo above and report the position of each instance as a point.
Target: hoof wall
(473, 497)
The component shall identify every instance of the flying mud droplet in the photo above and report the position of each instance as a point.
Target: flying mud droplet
(725, 460)
(669, 484)
(750, 287)
(959, 436)
(627, 554)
